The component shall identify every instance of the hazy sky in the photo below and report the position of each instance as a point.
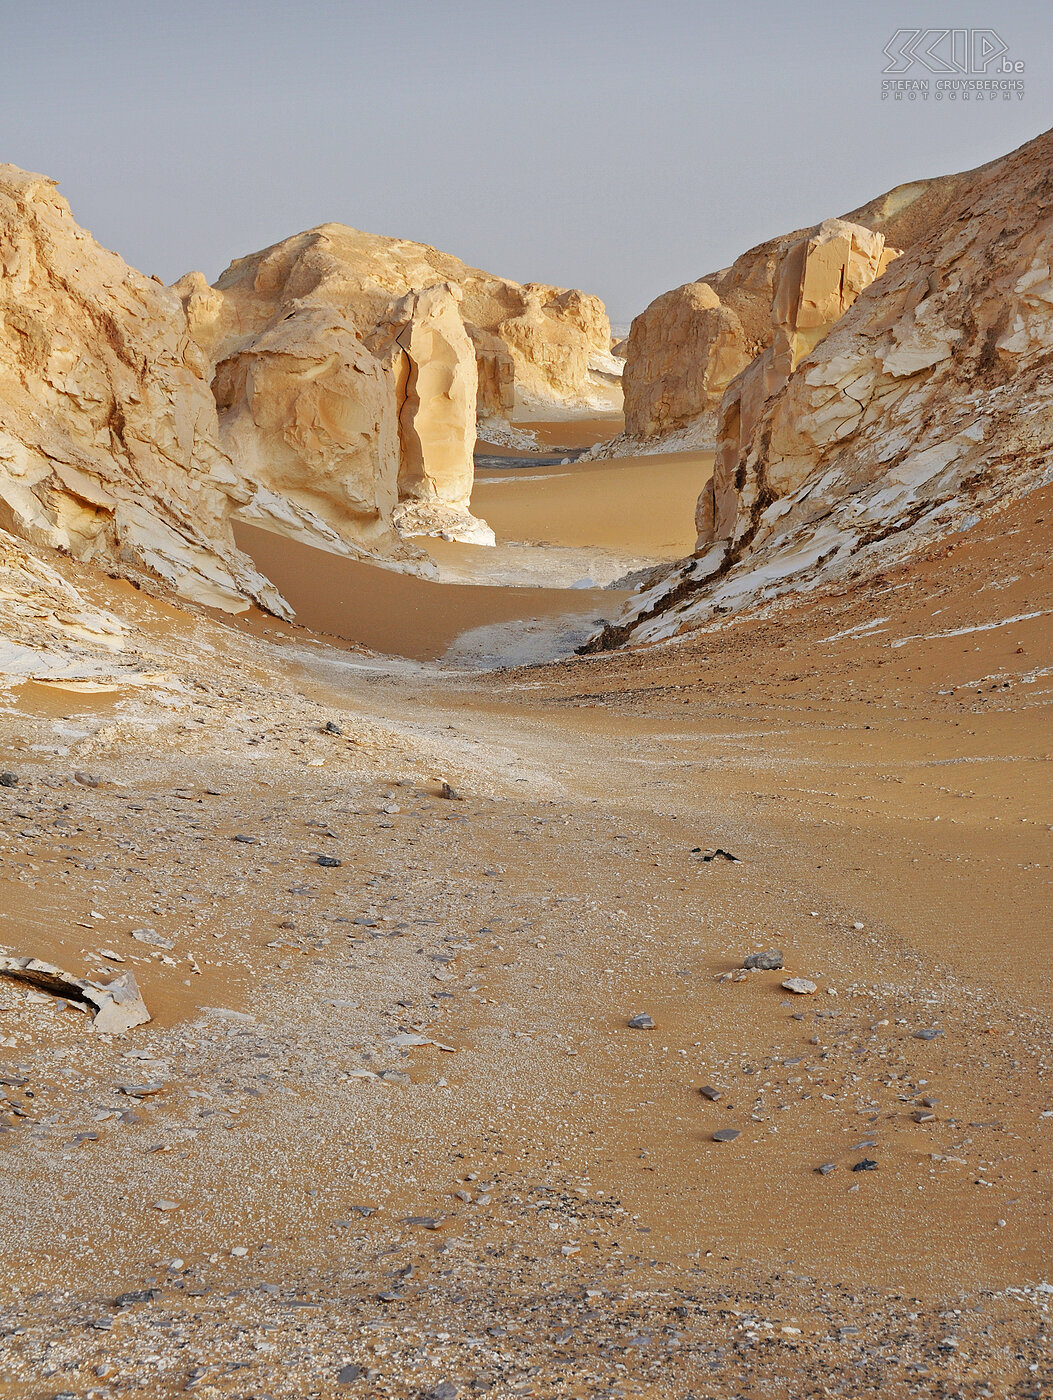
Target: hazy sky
(621, 146)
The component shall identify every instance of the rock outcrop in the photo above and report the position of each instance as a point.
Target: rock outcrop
(689, 343)
(546, 347)
(929, 401)
(817, 279)
(109, 441)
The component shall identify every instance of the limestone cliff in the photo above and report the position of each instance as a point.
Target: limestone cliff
(109, 442)
(536, 345)
(690, 342)
(929, 401)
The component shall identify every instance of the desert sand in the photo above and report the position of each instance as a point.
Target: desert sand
(295, 1180)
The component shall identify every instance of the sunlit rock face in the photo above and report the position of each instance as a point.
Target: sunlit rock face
(928, 402)
(109, 440)
(817, 279)
(687, 346)
(540, 344)
(454, 345)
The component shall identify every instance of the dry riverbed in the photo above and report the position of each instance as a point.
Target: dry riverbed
(390, 1132)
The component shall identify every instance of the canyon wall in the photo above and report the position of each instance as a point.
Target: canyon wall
(929, 401)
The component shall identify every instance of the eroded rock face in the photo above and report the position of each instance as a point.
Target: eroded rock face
(673, 380)
(817, 279)
(46, 623)
(109, 442)
(929, 401)
(339, 397)
(684, 352)
(537, 340)
(432, 358)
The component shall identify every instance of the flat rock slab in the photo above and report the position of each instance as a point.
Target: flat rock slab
(118, 1004)
(800, 985)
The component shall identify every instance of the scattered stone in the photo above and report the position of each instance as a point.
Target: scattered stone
(246, 840)
(138, 1295)
(407, 1040)
(85, 779)
(721, 854)
(866, 1164)
(929, 1033)
(8, 779)
(165, 1205)
(770, 961)
(330, 862)
(726, 1134)
(450, 793)
(708, 1092)
(140, 1091)
(800, 985)
(332, 728)
(827, 1168)
(924, 1115)
(642, 1022)
(347, 1374)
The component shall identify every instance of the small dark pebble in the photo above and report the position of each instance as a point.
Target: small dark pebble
(642, 1022)
(332, 728)
(867, 1164)
(721, 854)
(347, 1374)
(450, 793)
(726, 1135)
(8, 779)
(827, 1168)
(331, 862)
(708, 1092)
(247, 840)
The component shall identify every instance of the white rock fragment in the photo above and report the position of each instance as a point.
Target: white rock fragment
(800, 985)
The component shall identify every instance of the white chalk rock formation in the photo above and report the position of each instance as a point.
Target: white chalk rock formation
(817, 280)
(928, 402)
(689, 343)
(535, 345)
(427, 348)
(345, 402)
(109, 445)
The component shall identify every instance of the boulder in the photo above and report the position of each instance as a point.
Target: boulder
(680, 357)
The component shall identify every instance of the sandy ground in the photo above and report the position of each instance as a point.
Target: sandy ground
(541, 1208)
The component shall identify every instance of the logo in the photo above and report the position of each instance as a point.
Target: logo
(967, 65)
(946, 51)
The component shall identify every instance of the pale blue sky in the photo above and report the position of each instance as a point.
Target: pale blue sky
(623, 146)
